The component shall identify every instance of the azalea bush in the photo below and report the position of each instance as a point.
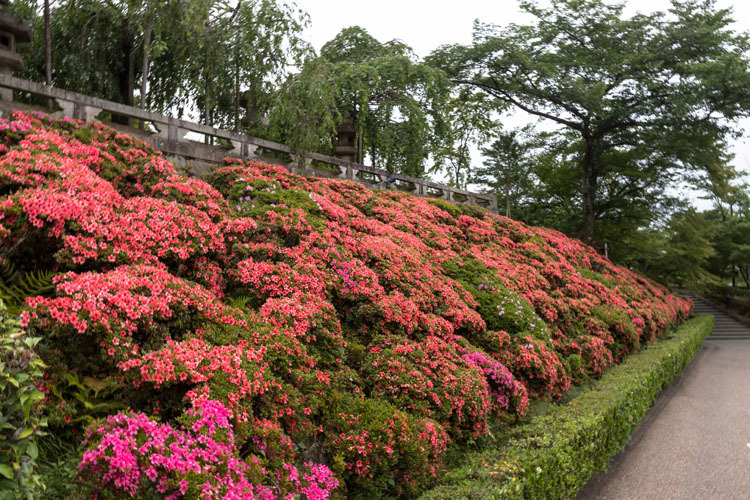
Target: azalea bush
(140, 457)
(331, 340)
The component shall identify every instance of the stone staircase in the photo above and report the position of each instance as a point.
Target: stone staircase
(725, 326)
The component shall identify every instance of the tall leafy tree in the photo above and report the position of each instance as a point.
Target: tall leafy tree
(731, 218)
(92, 47)
(305, 112)
(394, 101)
(508, 167)
(658, 89)
(186, 55)
(685, 248)
(238, 49)
(470, 119)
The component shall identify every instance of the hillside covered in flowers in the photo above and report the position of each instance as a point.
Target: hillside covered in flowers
(257, 334)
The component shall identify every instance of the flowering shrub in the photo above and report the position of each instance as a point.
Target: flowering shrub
(540, 369)
(323, 333)
(432, 379)
(385, 449)
(508, 393)
(116, 305)
(138, 456)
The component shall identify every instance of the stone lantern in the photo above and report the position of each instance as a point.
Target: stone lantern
(346, 148)
(12, 32)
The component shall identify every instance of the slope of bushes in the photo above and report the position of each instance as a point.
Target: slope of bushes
(258, 334)
(556, 454)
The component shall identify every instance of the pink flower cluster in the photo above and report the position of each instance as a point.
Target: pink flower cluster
(136, 455)
(510, 395)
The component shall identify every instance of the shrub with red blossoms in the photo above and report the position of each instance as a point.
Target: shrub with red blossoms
(384, 448)
(324, 332)
(116, 305)
(534, 363)
(432, 379)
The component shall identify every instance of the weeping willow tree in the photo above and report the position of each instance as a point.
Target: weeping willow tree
(394, 102)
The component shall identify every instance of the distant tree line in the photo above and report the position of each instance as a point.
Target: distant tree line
(623, 110)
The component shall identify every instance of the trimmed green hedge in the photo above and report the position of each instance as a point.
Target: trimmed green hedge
(554, 455)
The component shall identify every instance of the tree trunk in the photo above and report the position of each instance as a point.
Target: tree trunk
(207, 110)
(507, 200)
(130, 93)
(47, 46)
(237, 88)
(47, 51)
(126, 79)
(360, 146)
(146, 47)
(588, 194)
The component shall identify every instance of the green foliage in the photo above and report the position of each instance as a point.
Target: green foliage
(707, 251)
(231, 46)
(225, 57)
(469, 120)
(58, 465)
(92, 43)
(575, 367)
(500, 308)
(451, 208)
(688, 245)
(507, 168)
(554, 455)
(20, 420)
(472, 210)
(632, 115)
(393, 101)
(304, 113)
(16, 286)
(81, 399)
(593, 275)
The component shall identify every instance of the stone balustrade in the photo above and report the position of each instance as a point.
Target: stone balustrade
(170, 138)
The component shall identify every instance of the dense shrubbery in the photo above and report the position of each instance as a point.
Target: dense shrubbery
(21, 422)
(556, 454)
(340, 336)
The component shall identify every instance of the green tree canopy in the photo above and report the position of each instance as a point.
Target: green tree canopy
(642, 98)
(508, 167)
(470, 119)
(209, 55)
(94, 46)
(394, 101)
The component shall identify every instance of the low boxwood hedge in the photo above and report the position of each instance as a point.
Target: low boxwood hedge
(554, 455)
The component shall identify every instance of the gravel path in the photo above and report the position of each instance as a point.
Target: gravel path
(694, 444)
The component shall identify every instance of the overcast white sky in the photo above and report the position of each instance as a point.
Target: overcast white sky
(425, 24)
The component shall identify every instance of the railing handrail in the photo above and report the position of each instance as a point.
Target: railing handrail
(172, 126)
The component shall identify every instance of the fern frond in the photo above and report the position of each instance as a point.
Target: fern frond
(38, 283)
(8, 272)
(239, 302)
(16, 287)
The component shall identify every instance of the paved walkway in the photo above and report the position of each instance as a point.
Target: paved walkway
(694, 444)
